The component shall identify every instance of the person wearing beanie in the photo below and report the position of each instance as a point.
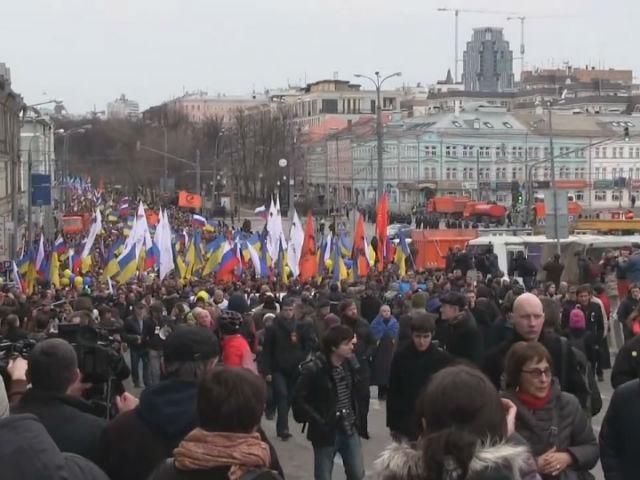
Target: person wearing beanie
(579, 337)
(418, 307)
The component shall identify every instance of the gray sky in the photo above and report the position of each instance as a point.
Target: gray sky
(89, 51)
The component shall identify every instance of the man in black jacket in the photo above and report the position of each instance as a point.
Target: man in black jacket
(627, 364)
(593, 313)
(528, 319)
(464, 339)
(365, 347)
(138, 329)
(620, 434)
(54, 397)
(326, 397)
(287, 343)
(411, 369)
(626, 308)
(553, 269)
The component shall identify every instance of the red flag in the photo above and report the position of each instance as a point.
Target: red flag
(382, 220)
(308, 259)
(359, 255)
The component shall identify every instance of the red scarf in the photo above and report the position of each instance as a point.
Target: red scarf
(534, 403)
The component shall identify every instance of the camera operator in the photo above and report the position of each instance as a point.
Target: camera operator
(136, 441)
(55, 397)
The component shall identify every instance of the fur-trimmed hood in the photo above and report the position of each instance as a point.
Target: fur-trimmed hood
(403, 461)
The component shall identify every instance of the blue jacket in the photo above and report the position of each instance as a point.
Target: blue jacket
(379, 328)
(632, 269)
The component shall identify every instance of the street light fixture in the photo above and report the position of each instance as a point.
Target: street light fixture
(378, 82)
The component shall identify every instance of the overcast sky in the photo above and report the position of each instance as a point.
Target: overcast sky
(88, 52)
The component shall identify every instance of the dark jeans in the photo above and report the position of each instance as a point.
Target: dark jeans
(138, 356)
(350, 449)
(282, 393)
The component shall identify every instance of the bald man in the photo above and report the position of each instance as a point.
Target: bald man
(527, 323)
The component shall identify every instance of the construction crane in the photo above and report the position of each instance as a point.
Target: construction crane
(522, 19)
(456, 12)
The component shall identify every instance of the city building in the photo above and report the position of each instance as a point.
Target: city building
(123, 108)
(488, 62)
(481, 153)
(37, 147)
(312, 105)
(11, 105)
(552, 77)
(199, 106)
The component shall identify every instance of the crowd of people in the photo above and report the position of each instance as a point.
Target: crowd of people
(484, 376)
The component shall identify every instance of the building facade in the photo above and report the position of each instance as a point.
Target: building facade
(488, 62)
(482, 154)
(11, 105)
(123, 108)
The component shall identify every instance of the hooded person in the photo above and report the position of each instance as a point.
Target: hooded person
(28, 452)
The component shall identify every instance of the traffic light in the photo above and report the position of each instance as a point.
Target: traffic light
(626, 134)
(520, 198)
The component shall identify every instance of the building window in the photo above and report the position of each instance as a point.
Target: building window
(604, 173)
(597, 173)
(507, 125)
(616, 196)
(637, 173)
(600, 196)
(545, 173)
(501, 198)
(604, 152)
(579, 196)
(448, 173)
(614, 173)
(488, 124)
(456, 124)
(471, 173)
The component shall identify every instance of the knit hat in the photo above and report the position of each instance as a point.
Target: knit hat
(577, 320)
(419, 301)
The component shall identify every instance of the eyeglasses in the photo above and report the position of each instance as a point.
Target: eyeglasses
(537, 373)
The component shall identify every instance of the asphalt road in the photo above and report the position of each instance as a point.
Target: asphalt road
(296, 454)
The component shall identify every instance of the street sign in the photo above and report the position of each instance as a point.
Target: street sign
(541, 184)
(40, 190)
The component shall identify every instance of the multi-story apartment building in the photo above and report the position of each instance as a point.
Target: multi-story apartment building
(124, 108)
(481, 154)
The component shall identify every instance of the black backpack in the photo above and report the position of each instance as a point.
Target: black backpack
(593, 401)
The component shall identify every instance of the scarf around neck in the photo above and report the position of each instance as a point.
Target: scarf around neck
(534, 403)
(202, 450)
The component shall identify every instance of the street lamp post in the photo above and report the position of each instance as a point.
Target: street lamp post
(195, 163)
(215, 166)
(378, 82)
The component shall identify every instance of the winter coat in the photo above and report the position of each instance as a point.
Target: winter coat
(632, 268)
(493, 365)
(626, 308)
(365, 346)
(626, 366)
(315, 397)
(68, 420)
(286, 345)
(411, 370)
(496, 461)
(464, 339)
(369, 306)
(137, 441)
(28, 452)
(562, 424)
(554, 271)
(620, 434)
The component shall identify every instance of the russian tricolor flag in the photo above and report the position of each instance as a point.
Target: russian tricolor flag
(198, 221)
(151, 256)
(59, 246)
(123, 207)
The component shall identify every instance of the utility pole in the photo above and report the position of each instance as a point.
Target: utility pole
(478, 174)
(553, 183)
(28, 192)
(378, 82)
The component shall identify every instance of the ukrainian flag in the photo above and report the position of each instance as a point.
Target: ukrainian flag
(339, 267)
(402, 253)
(216, 249)
(127, 265)
(111, 267)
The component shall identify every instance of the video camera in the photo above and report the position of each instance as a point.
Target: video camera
(100, 362)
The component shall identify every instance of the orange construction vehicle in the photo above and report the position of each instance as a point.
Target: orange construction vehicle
(464, 207)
